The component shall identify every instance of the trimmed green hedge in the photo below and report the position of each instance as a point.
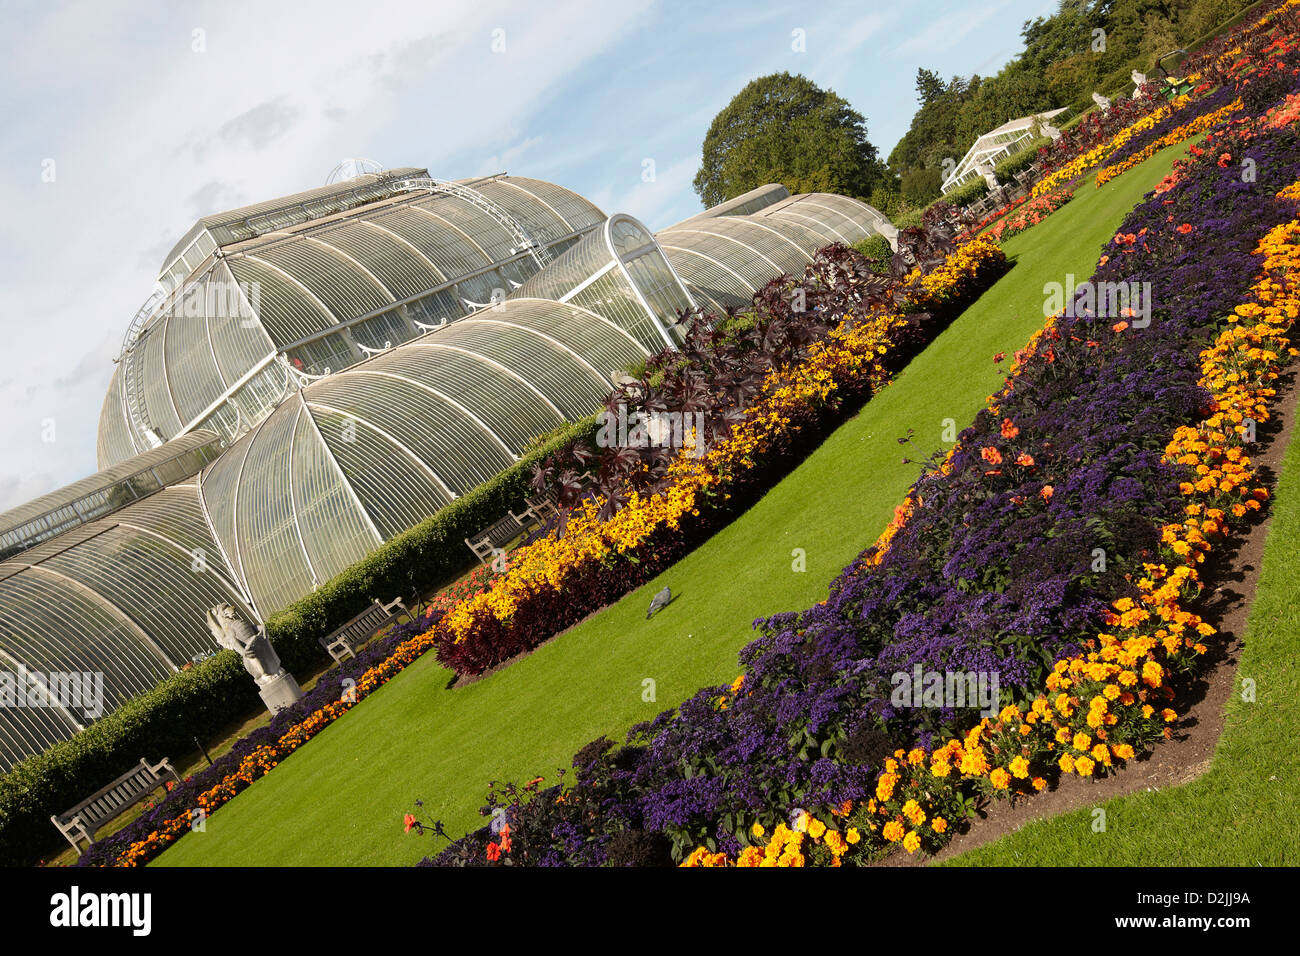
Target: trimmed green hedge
(967, 193)
(1008, 166)
(912, 217)
(206, 699)
(877, 251)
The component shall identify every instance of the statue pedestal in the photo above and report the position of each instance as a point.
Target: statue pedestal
(279, 692)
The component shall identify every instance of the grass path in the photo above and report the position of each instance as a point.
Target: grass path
(1245, 810)
(340, 800)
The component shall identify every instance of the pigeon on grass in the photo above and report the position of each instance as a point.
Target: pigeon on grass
(659, 601)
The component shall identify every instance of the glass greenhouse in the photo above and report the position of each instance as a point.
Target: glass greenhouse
(997, 144)
(317, 373)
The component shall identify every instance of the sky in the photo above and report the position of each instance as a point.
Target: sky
(123, 122)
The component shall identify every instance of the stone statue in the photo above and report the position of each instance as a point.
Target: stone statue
(890, 232)
(990, 177)
(1050, 131)
(1102, 101)
(276, 686)
(1139, 79)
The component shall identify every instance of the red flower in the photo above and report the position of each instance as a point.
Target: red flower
(1045, 493)
(1009, 429)
(409, 820)
(991, 455)
(493, 852)
(1185, 228)
(1025, 460)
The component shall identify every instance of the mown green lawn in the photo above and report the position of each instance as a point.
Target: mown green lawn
(340, 800)
(1245, 811)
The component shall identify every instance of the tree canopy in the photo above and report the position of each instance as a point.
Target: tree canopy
(786, 129)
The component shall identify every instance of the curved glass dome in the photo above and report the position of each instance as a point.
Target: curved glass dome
(360, 456)
(619, 272)
(724, 259)
(324, 278)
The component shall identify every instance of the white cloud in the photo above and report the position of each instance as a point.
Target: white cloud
(943, 32)
(508, 158)
(657, 203)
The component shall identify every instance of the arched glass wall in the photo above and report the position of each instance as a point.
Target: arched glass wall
(620, 273)
(723, 260)
(364, 454)
(121, 598)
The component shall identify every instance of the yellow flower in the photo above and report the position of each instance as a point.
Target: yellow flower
(911, 842)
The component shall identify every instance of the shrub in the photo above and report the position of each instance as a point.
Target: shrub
(967, 193)
(877, 251)
(1007, 167)
(912, 217)
(920, 185)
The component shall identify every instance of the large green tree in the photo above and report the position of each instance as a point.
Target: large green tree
(786, 129)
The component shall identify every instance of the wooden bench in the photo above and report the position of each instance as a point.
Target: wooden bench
(81, 822)
(543, 506)
(494, 538)
(347, 640)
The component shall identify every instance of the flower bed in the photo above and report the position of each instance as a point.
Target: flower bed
(1085, 161)
(1173, 130)
(990, 567)
(1099, 708)
(1031, 213)
(1101, 705)
(554, 582)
